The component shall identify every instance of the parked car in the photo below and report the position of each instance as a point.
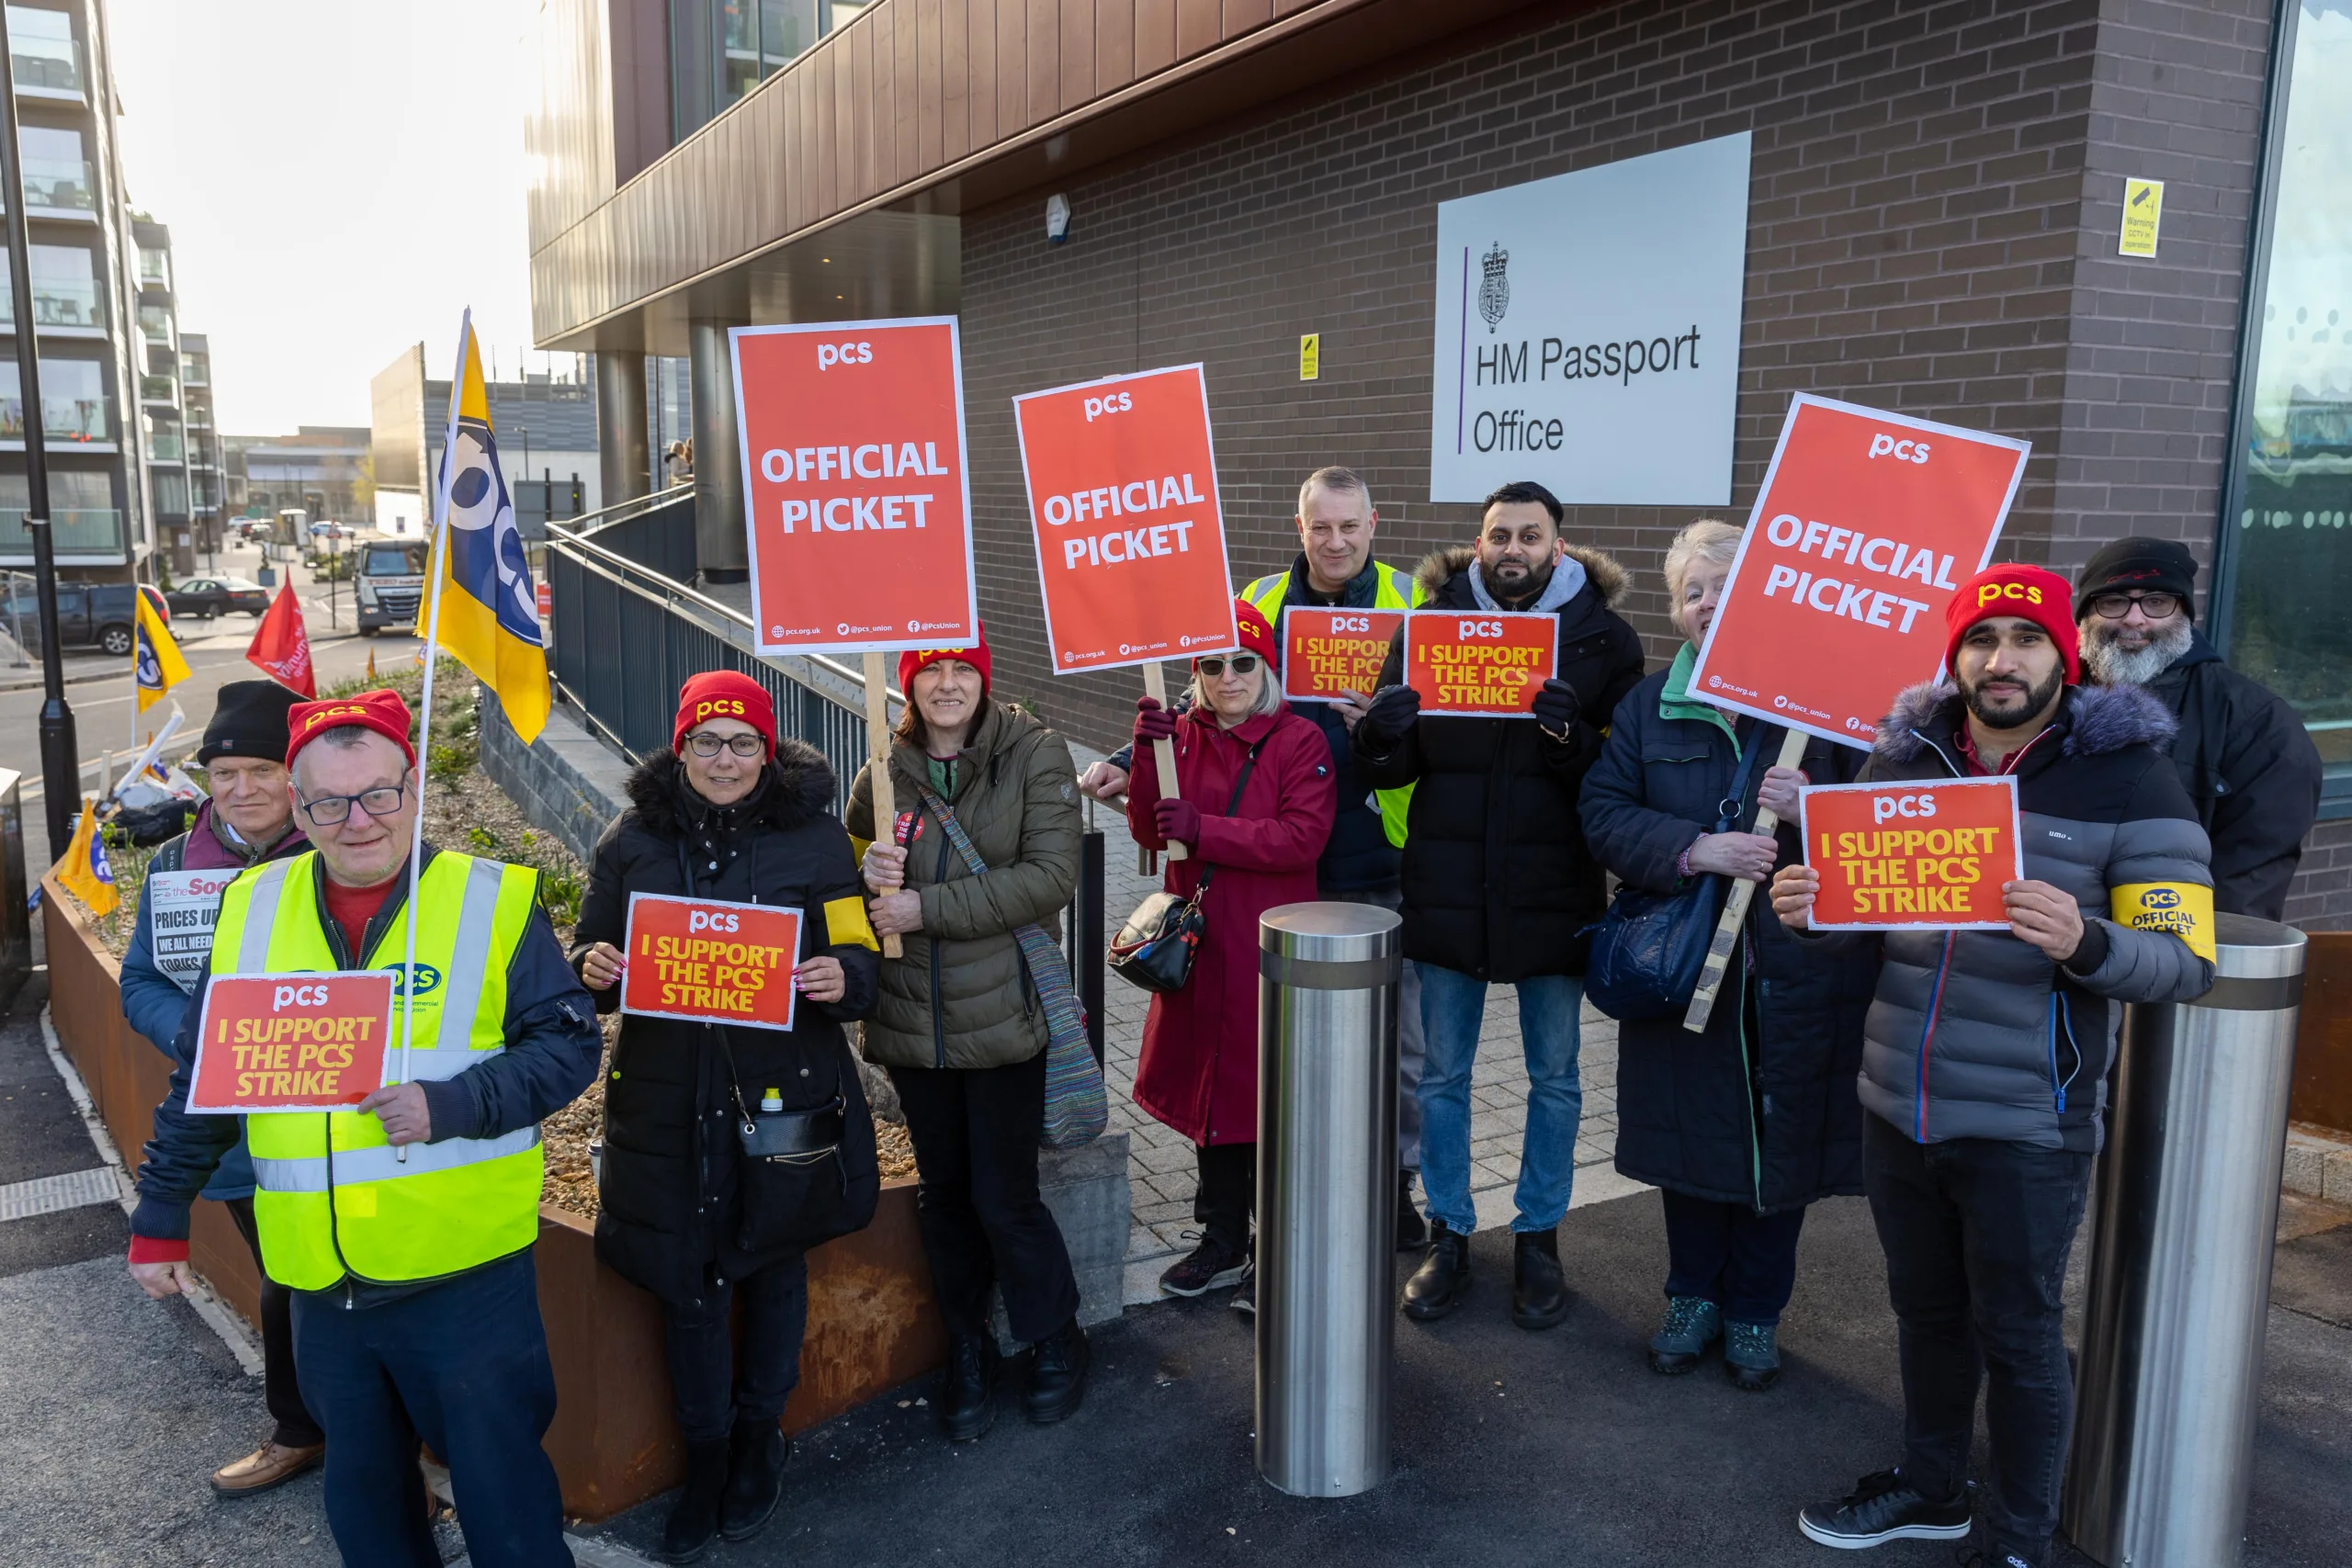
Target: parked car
(210, 596)
(98, 614)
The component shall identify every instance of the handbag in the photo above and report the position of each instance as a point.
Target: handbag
(1156, 948)
(1077, 1107)
(1648, 949)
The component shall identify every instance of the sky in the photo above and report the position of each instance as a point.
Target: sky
(341, 178)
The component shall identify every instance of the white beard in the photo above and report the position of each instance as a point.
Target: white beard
(2112, 666)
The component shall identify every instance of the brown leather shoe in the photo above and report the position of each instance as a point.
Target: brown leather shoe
(272, 1464)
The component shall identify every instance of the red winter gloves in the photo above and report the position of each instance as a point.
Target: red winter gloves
(1179, 821)
(1153, 722)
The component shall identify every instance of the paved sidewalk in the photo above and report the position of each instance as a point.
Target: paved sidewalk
(1160, 1163)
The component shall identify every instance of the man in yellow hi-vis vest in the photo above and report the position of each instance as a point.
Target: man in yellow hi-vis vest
(1361, 862)
(404, 1226)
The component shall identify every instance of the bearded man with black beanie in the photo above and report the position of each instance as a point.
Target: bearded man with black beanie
(2243, 753)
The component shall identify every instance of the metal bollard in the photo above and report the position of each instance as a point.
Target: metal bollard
(2187, 1198)
(1326, 1194)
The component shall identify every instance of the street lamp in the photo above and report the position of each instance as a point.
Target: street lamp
(61, 764)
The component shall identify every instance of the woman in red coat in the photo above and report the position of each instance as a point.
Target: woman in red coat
(1199, 1068)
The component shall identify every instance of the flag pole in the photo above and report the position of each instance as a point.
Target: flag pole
(435, 560)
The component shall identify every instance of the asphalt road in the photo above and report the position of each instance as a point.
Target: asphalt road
(102, 696)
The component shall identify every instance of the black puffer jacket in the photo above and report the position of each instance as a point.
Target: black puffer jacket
(1498, 880)
(673, 1213)
(2250, 769)
(1760, 1109)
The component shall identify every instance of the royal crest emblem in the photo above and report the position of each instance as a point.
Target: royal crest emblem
(1494, 289)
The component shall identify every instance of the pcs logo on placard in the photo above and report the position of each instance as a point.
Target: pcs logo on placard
(831, 354)
(1883, 446)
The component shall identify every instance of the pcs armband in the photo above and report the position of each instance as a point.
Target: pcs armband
(2184, 909)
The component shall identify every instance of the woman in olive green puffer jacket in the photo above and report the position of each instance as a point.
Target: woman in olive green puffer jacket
(959, 1025)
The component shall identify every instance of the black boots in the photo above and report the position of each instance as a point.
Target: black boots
(693, 1523)
(1057, 1374)
(1539, 1292)
(968, 1389)
(1410, 1231)
(1438, 1285)
(756, 1454)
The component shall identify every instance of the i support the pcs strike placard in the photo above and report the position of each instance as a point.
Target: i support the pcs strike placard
(1588, 332)
(855, 487)
(1867, 523)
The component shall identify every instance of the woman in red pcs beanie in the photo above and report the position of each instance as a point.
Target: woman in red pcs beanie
(1252, 802)
(959, 1026)
(694, 1208)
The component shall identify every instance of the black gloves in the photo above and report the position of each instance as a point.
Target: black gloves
(1394, 711)
(1557, 708)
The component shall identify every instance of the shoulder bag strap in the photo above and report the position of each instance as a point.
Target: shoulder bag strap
(1734, 804)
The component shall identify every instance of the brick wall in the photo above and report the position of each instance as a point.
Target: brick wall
(1935, 196)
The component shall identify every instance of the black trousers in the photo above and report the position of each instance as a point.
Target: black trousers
(1976, 1235)
(715, 1381)
(282, 1386)
(985, 1225)
(1728, 1254)
(1228, 1193)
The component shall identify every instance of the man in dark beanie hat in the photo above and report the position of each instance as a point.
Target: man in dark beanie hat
(2247, 762)
(248, 819)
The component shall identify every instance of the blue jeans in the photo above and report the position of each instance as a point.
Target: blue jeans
(462, 1365)
(1453, 1005)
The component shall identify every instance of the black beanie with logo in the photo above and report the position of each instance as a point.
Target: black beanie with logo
(2152, 566)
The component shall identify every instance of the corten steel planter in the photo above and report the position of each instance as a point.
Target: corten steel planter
(2324, 1038)
(872, 1322)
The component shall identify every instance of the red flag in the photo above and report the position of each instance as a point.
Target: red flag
(281, 648)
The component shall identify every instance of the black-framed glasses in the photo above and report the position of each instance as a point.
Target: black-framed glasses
(706, 744)
(2155, 606)
(382, 801)
(1213, 666)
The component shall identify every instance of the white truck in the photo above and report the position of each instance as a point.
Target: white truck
(389, 582)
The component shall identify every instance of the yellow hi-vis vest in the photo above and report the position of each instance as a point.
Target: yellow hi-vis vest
(1392, 590)
(331, 1196)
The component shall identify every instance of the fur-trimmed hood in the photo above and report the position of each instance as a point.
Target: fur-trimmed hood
(1443, 565)
(800, 785)
(2098, 720)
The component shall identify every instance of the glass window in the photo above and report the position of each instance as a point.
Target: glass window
(72, 398)
(41, 49)
(65, 292)
(171, 493)
(55, 171)
(721, 49)
(2286, 612)
(70, 490)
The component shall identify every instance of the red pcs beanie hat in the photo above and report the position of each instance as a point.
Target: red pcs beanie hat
(915, 660)
(382, 712)
(2027, 592)
(723, 694)
(1257, 634)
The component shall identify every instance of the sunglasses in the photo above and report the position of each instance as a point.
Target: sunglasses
(1212, 667)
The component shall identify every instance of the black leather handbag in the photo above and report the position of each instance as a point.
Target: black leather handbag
(1154, 951)
(1648, 949)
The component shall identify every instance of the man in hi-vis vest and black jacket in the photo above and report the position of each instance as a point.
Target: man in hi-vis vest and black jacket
(404, 1225)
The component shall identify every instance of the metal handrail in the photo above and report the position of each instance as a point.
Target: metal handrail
(847, 686)
(635, 507)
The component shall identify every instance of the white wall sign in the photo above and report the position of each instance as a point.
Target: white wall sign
(1588, 332)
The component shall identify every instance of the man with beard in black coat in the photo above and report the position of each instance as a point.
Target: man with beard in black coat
(1498, 881)
(2245, 757)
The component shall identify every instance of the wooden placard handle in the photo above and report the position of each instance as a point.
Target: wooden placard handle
(878, 744)
(1163, 752)
(1711, 977)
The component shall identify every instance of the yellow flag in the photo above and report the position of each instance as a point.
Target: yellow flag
(155, 659)
(83, 870)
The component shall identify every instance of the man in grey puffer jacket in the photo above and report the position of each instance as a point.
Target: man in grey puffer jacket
(1987, 1053)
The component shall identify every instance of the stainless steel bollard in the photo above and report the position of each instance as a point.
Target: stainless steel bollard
(1326, 1194)
(2180, 1263)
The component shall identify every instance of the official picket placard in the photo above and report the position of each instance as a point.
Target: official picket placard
(1926, 854)
(181, 908)
(1867, 523)
(711, 960)
(1327, 653)
(856, 489)
(270, 1043)
(1129, 534)
(1479, 663)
